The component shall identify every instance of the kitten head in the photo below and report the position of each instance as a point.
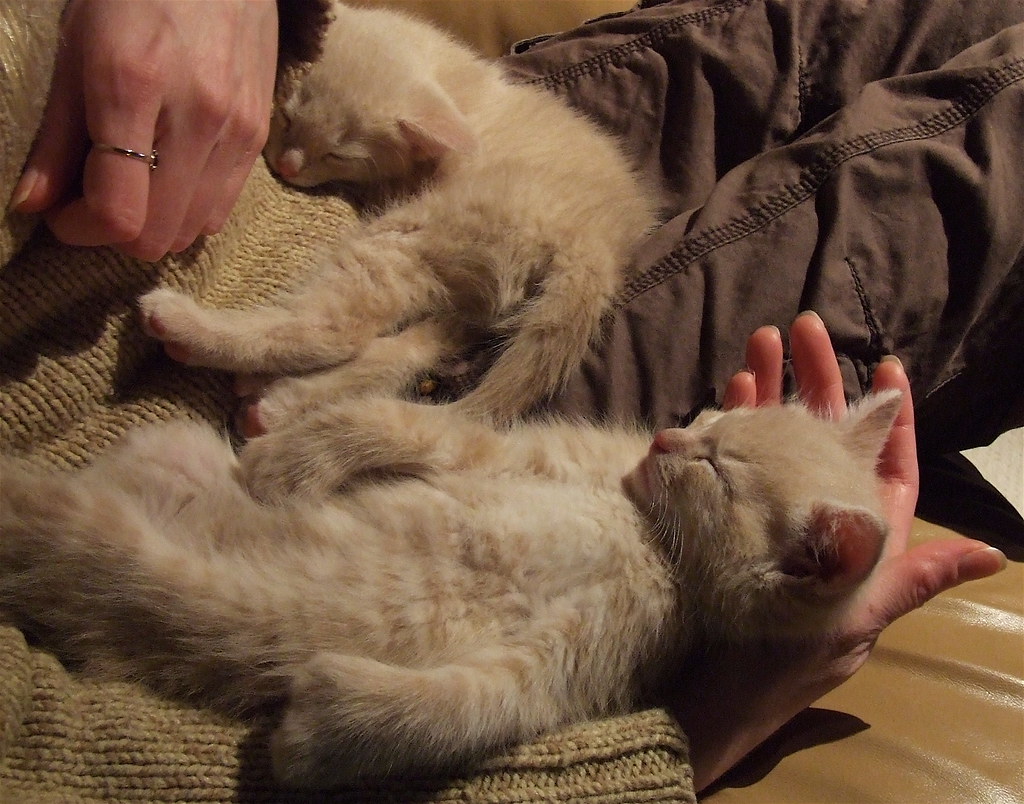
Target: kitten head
(774, 514)
(370, 109)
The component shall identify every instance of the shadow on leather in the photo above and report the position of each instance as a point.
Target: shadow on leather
(812, 727)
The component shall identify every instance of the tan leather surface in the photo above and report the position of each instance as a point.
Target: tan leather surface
(937, 714)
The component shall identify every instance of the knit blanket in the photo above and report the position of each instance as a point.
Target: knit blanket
(76, 372)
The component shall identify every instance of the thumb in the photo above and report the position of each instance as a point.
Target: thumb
(55, 162)
(910, 580)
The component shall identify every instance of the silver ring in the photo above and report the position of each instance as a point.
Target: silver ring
(152, 158)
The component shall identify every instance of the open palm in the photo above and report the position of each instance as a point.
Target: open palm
(734, 697)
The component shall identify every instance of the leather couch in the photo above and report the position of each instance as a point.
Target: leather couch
(937, 714)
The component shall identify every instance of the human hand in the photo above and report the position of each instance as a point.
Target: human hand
(193, 80)
(735, 697)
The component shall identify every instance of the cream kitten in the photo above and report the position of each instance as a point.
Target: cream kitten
(516, 225)
(444, 588)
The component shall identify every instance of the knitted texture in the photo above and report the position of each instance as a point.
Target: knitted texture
(76, 373)
(71, 740)
(28, 41)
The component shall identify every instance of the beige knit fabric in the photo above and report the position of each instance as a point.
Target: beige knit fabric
(28, 41)
(69, 740)
(76, 373)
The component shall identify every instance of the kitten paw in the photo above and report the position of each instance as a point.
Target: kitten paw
(341, 726)
(299, 763)
(270, 404)
(249, 421)
(277, 466)
(309, 749)
(166, 315)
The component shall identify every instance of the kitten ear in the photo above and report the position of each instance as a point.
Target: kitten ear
(868, 423)
(436, 127)
(839, 547)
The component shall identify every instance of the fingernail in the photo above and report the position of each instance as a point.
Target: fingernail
(892, 359)
(23, 189)
(810, 313)
(981, 563)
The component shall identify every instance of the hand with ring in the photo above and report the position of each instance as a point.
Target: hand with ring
(157, 111)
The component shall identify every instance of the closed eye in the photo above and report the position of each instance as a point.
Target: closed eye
(351, 152)
(720, 468)
(708, 461)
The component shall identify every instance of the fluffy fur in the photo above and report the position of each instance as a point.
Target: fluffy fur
(423, 589)
(513, 221)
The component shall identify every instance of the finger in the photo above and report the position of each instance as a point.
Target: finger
(214, 199)
(897, 464)
(910, 580)
(122, 103)
(764, 360)
(234, 112)
(209, 146)
(224, 176)
(817, 373)
(741, 391)
(232, 186)
(112, 208)
(184, 149)
(240, 147)
(56, 157)
(899, 457)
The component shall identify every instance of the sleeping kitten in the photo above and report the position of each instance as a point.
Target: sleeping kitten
(517, 222)
(445, 589)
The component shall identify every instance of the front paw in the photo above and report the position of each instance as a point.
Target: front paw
(280, 466)
(171, 318)
(268, 404)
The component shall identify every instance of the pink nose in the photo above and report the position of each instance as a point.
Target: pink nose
(672, 440)
(290, 163)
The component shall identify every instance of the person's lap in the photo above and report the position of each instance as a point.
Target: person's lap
(840, 156)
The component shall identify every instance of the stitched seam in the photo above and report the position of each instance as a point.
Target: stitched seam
(813, 176)
(802, 87)
(944, 383)
(870, 320)
(648, 40)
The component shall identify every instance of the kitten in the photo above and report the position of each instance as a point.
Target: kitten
(516, 225)
(444, 588)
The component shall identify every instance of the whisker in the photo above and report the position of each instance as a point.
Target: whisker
(666, 527)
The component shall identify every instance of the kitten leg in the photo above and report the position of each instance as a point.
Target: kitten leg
(117, 564)
(316, 454)
(351, 718)
(386, 366)
(155, 471)
(329, 446)
(375, 282)
(549, 338)
(264, 339)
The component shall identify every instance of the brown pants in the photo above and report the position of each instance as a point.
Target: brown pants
(862, 159)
